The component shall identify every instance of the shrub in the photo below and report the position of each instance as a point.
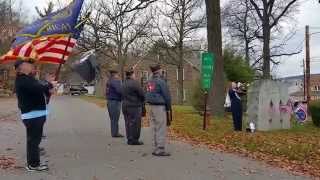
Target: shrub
(198, 97)
(315, 112)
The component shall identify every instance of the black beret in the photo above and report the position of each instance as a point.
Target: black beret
(19, 62)
(155, 68)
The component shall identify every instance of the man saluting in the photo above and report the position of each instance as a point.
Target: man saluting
(31, 95)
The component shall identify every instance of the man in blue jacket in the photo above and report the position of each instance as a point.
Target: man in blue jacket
(114, 97)
(159, 99)
(32, 102)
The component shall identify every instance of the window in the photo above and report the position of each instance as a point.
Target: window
(5, 75)
(145, 75)
(177, 71)
(164, 74)
(184, 95)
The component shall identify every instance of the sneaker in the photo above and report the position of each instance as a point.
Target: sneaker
(161, 154)
(38, 168)
(118, 136)
(135, 143)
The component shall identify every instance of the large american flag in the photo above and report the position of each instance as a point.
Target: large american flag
(45, 50)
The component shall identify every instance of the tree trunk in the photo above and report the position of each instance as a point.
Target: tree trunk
(181, 54)
(180, 85)
(217, 94)
(247, 42)
(266, 49)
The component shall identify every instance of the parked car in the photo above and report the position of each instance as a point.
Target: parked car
(77, 90)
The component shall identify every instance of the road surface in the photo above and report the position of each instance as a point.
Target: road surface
(79, 147)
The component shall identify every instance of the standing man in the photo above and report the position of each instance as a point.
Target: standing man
(159, 99)
(31, 95)
(133, 101)
(114, 97)
(236, 106)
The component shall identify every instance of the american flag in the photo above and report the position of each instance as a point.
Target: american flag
(46, 50)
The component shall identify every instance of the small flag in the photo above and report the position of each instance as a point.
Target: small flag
(87, 67)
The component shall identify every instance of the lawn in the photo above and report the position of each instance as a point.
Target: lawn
(297, 149)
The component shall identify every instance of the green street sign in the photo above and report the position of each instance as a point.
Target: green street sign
(207, 69)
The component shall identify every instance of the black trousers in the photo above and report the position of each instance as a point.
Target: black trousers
(132, 117)
(237, 116)
(34, 128)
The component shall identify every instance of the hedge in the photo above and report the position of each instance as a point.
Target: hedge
(315, 112)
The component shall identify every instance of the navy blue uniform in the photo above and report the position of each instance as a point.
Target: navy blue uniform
(114, 96)
(236, 109)
(133, 101)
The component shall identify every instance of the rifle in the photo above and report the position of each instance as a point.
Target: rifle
(169, 117)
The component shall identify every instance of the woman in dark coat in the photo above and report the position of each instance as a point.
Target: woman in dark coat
(236, 107)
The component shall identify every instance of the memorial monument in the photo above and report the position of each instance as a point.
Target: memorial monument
(269, 105)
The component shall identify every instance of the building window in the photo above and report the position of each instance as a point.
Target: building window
(145, 75)
(184, 95)
(164, 74)
(177, 71)
(5, 75)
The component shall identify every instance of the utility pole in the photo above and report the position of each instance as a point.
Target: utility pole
(304, 79)
(308, 63)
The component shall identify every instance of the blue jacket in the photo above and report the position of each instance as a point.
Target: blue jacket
(158, 92)
(114, 89)
(235, 100)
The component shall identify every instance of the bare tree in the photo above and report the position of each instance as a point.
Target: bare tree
(114, 27)
(241, 23)
(46, 11)
(10, 23)
(215, 46)
(270, 14)
(176, 24)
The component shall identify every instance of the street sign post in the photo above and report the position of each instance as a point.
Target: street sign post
(207, 72)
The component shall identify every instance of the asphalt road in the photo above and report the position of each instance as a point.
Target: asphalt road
(79, 147)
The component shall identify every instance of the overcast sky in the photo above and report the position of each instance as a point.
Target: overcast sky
(308, 15)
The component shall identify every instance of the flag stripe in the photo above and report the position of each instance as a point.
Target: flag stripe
(16, 51)
(48, 49)
(28, 52)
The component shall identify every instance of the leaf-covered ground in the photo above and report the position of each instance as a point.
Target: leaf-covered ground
(296, 150)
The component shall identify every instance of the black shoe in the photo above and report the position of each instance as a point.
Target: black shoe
(161, 154)
(135, 143)
(38, 168)
(118, 136)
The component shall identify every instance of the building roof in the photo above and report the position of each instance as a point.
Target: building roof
(296, 77)
(300, 93)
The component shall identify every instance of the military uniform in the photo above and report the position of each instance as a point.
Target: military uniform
(133, 101)
(159, 99)
(236, 109)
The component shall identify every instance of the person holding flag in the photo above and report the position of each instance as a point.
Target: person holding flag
(31, 95)
(47, 40)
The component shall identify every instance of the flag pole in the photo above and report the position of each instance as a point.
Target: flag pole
(62, 59)
(66, 49)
